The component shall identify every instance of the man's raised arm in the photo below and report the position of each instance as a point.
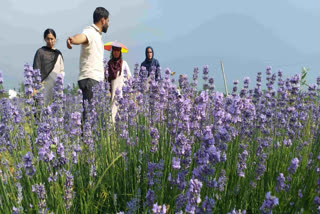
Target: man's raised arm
(76, 40)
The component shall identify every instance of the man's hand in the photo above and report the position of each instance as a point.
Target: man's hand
(69, 42)
(76, 40)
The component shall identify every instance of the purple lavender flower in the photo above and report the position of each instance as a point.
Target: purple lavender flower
(211, 83)
(235, 87)
(193, 195)
(287, 143)
(58, 88)
(28, 83)
(93, 171)
(261, 168)
(180, 202)
(316, 200)
(45, 153)
(294, 165)
(206, 206)
(61, 155)
(154, 134)
(206, 70)
(150, 197)
(15, 210)
(268, 70)
(68, 191)
(222, 181)
(280, 183)
(182, 146)
(241, 166)
(234, 211)
(269, 204)
(74, 157)
(76, 124)
(222, 134)
(300, 195)
(40, 190)
(19, 196)
(53, 178)
(176, 163)
(154, 172)
(37, 79)
(27, 162)
(246, 82)
(132, 206)
(156, 209)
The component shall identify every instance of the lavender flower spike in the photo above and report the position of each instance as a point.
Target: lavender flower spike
(27, 162)
(280, 183)
(294, 165)
(269, 203)
(159, 209)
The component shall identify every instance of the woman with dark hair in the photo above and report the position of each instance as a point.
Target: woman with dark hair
(151, 63)
(116, 70)
(50, 62)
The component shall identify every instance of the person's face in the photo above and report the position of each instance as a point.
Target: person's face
(105, 24)
(50, 40)
(116, 52)
(149, 53)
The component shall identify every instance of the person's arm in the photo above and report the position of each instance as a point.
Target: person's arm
(76, 40)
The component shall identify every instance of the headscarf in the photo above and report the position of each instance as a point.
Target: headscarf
(114, 65)
(45, 60)
(148, 63)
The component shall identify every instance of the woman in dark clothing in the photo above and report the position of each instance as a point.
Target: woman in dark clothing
(150, 61)
(50, 62)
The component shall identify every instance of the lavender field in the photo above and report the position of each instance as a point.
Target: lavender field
(173, 148)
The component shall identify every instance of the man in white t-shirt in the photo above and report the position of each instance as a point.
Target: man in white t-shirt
(91, 57)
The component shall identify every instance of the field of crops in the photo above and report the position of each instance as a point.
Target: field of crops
(173, 148)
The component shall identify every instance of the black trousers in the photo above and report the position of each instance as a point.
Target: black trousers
(86, 87)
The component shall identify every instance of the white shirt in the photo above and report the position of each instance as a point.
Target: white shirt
(91, 57)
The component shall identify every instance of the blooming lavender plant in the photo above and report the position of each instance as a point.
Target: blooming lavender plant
(193, 195)
(68, 193)
(172, 147)
(156, 209)
(39, 189)
(27, 162)
(280, 183)
(294, 165)
(269, 203)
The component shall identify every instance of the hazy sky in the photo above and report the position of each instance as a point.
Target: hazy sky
(247, 35)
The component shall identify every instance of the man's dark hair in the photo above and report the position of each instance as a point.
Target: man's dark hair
(100, 12)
